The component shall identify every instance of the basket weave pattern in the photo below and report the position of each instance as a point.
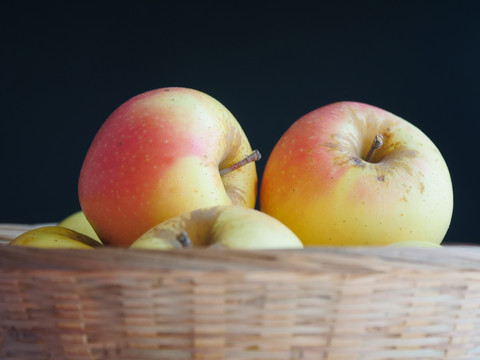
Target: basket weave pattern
(319, 303)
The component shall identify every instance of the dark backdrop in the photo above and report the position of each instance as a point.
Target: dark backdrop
(66, 67)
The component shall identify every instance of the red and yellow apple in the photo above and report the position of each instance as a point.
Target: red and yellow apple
(227, 226)
(160, 154)
(353, 174)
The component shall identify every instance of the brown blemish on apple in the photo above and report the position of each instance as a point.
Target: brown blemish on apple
(381, 178)
(342, 147)
(357, 161)
(199, 225)
(395, 160)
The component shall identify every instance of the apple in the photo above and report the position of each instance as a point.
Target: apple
(225, 226)
(79, 223)
(55, 237)
(160, 154)
(353, 174)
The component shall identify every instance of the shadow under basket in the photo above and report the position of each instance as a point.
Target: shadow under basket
(315, 303)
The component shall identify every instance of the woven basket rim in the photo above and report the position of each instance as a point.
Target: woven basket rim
(341, 260)
(323, 259)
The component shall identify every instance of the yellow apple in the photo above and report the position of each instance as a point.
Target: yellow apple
(55, 237)
(353, 174)
(78, 222)
(160, 154)
(229, 226)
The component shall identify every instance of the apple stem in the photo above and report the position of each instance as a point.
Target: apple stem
(184, 240)
(376, 144)
(254, 156)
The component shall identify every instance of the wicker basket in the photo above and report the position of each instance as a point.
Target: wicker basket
(317, 303)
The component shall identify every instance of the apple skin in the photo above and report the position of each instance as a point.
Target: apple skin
(79, 223)
(226, 226)
(317, 183)
(55, 237)
(157, 156)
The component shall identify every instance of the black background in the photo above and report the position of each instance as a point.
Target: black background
(66, 67)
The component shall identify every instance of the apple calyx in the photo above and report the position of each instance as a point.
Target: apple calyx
(376, 144)
(254, 156)
(184, 240)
